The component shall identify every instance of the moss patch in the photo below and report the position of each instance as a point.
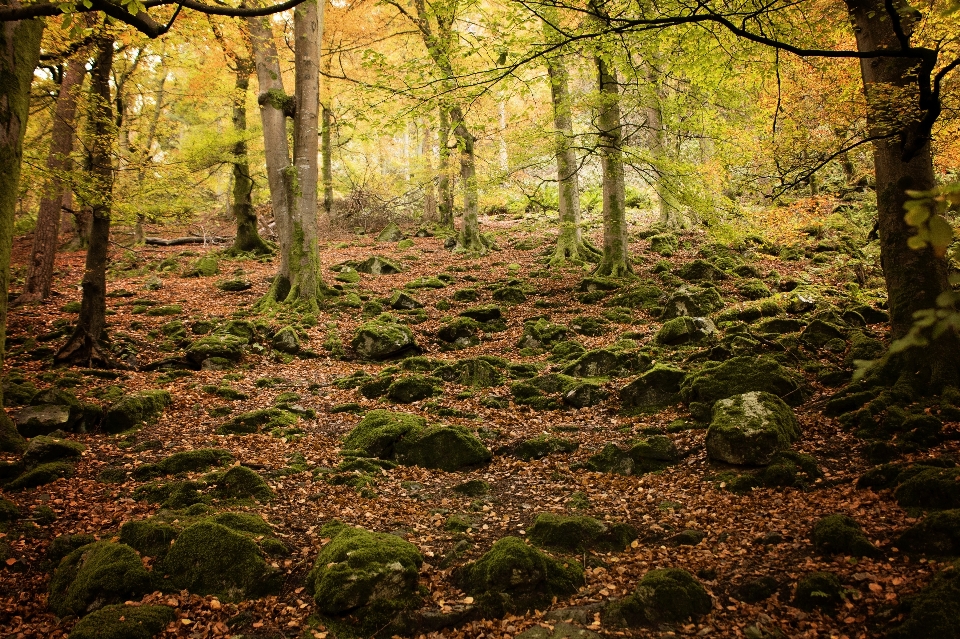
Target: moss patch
(841, 534)
(579, 533)
(670, 595)
(95, 575)
(134, 409)
(934, 612)
(124, 622)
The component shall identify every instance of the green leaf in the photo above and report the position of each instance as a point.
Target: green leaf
(941, 233)
(917, 212)
(916, 242)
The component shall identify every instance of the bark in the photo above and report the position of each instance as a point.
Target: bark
(19, 54)
(146, 155)
(671, 215)
(429, 189)
(571, 247)
(87, 345)
(326, 150)
(914, 278)
(248, 239)
(45, 239)
(615, 261)
(470, 238)
(444, 183)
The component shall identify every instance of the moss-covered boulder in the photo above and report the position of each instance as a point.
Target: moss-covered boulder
(655, 389)
(485, 313)
(740, 375)
(390, 233)
(820, 334)
(205, 266)
(148, 537)
(474, 371)
(185, 461)
(42, 450)
(413, 388)
(8, 511)
(686, 330)
(95, 575)
(937, 534)
(643, 295)
(751, 428)
(41, 475)
(286, 340)
(841, 534)
(541, 446)
(515, 577)
(818, 590)
(211, 559)
(218, 345)
(449, 448)
(44, 419)
(584, 395)
(930, 488)
(403, 301)
(257, 420)
(934, 612)
(578, 533)
(664, 243)
(541, 335)
(692, 302)
(558, 630)
(240, 482)
(700, 271)
(459, 332)
(669, 595)
(379, 431)
(135, 409)
(650, 454)
(509, 295)
(383, 338)
(377, 265)
(603, 363)
(120, 621)
(368, 579)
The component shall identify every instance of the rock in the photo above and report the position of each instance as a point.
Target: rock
(561, 630)
(648, 455)
(937, 534)
(509, 295)
(840, 534)
(347, 275)
(485, 313)
(930, 488)
(466, 295)
(686, 330)
(751, 428)
(687, 538)
(644, 295)
(41, 475)
(413, 388)
(240, 482)
(378, 265)
(261, 419)
(818, 334)
(148, 537)
(579, 533)
(476, 372)
(234, 285)
(218, 345)
(286, 340)
(134, 409)
(541, 334)
(153, 283)
(390, 233)
(603, 363)
(591, 284)
(669, 595)
(211, 559)
(379, 431)
(448, 448)
(584, 395)
(403, 301)
(8, 511)
(863, 347)
(42, 450)
(206, 266)
(934, 612)
(514, 577)
(372, 577)
(753, 289)
(541, 446)
(460, 332)
(95, 575)
(383, 338)
(780, 326)
(692, 302)
(758, 589)
(590, 326)
(120, 621)
(33, 421)
(664, 243)
(818, 590)
(739, 375)
(655, 389)
(11, 441)
(700, 271)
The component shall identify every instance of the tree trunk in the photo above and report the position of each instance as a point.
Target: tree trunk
(248, 239)
(903, 161)
(429, 189)
(146, 155)
(615, 261)
(326, 150)
(571, 247)
(86, 346)
(47, 234)
(19, 54)
(445, 183)
(470, 238)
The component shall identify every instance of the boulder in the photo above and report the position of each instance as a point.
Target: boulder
(603, 363)
(485, 313)
(286, 340)
(541, 334)
(669, 595)
(476, 372)
(692, 302)
(655, 389)
(686, 330)
(372, 577)
(937, 534)
(541, 446)
(43, 449)
(584, 395)
(240, 482)
(219, 345)
(378, 265)
(575, 534)
(256, 420)
(460, 332)
(448, 448)
(558, 630)
(41, 475)
(739, 375)
(413, 388)
(515, 577)
(148, 537)
(664, 243)
(751, 428)
(780, 326)
(753, 289)
(509, 295)
(206, 266)
(700, 271)
(841, 534)
(818, 590)
(234, 285)
(648, 455)
(383, 338)
(134, 409)
(402, 301)
(929, 488)
(591, 284)
(818, 334)
(390, 233)
(33, 421)
(95, 575)
(379, 431)
(644, 295)
(120, 621)
(934, 611)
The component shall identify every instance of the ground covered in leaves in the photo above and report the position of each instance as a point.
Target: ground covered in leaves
(541, 382)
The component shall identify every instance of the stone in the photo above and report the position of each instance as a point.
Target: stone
(753, 289)
(780, 326)
(559, 630)
(509, 295)
(751, 428)
(347, 275)
(120, 621)
(390, 233)
(655, 389)
(591, 284)
(234, 285)
(95, 575)
(841, 534)
(41, 475)
(934, 611)
(372, 577)
(379, 431)
(929, 488)
(218, 345)
(286, 340)
(378, 265)
(148, 537)
(541, 446)
(700, 271)
(578, 533)
(818, 334)
(757, 589)
(383, 338)
(937, 534)
(43, 449)
(664, 243)
(206, 266)
(584, 395)
(541, 334)
(460, 332)
(589, 326)
(448, 448)
(33, 421)
(743, 374)
(413, 388)
(403, 301)
(475, 372)
(686, 330)
(818, 590)
(466, 295)
(257, 420)
(240, 482)
(514, 577)
(692, 302)
(485, 313)
(669, 595)
(644, 295)
(135, 409)
(603, 363)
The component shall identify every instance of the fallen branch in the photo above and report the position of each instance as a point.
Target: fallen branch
(192, 239)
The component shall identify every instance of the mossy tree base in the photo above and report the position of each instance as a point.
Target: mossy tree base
(85, 351)
(614, 268)
(575, 251)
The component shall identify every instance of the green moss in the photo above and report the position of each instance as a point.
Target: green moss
(211, 559)
(472, 488)
(657, 388)
(447, 448)
(753, 289)
(515, 577)
(542, 445)
(818, 590)
(148, 537)
(579, 533)
(120, 621)
(670, 595)
(644, 295)
(841, 534)
(184, 462)
(751, 428)
(382, 338)
(256, 420)
(938, 534)
(41, 475)
(934, 612)
(930, 488)
(219, 345)
(412, 388)
(541, 334)
(43, 449)
(135, 409)
(174, 495)
(206, 266)
(95, 575)
(379, 431)
(63, 545)
(240, 482)
(475, 372)
(373, 577)
(165, 311)
(8, 511)
(740, 375)
(243, 522)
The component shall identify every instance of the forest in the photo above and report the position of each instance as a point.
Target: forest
(534, 319)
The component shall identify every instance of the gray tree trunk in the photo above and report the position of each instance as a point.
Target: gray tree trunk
(248, 238)
(444, 182)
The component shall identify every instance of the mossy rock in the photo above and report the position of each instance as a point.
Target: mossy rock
(590, 326)
(425, 282)
(472, 488)
(184, 462)
(578, 533)
(381, 339)
(8, 511)
(692, 302)
(700, 271)
(933, 612)
(175, 495)
(605, 363)
(413, 388)
(541, 446)
(221, 345)
(43, 449)
(780, 326)
(377, 265)
(460, 332)
(841, 534)
(751, 428)
(148, 537)
(42, 475)
(466, 295)
(165, 311)
(211, 559)
(95, 575)
(243, 522)
(657, 388)
(644, 295)
(669, 595)
(240, 482)
(664, 243)
(930, 489)
(448, 448)
(937, 534)
(566, 351)
(390, 233)
(740, 375)
(485, 313)
(400, 300)
(206, 266)
(375, 387)
(753, 289)
(541, 334)
(649, 455)
(371, 577)
(509, 295)
(135, 409)
(515, 577)
(787, 469)
(120, 621)
(818, 590)
(686, 330)
(819, 334)
(475, 372)
(286, 340)
(584, 395)
(257, 420)
(379, 432)
(234, 285)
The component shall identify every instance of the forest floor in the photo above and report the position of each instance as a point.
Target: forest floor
(763, 532)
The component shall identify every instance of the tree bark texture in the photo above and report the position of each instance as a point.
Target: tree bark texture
(444, 181)
(45, 239)
(326, 150)
(671, 216)
(248, 238)
(429, 188)
(470, 238)
(86, 346)
(615, 261)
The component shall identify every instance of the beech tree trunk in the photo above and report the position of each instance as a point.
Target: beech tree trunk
(470, 239)
(671, 215)
(248, 238)
(45, 239)
(429, 189)
(326, 150)
(903, 161)
(19, 54)
(444, 183)
(86, 346)
(616, 260)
